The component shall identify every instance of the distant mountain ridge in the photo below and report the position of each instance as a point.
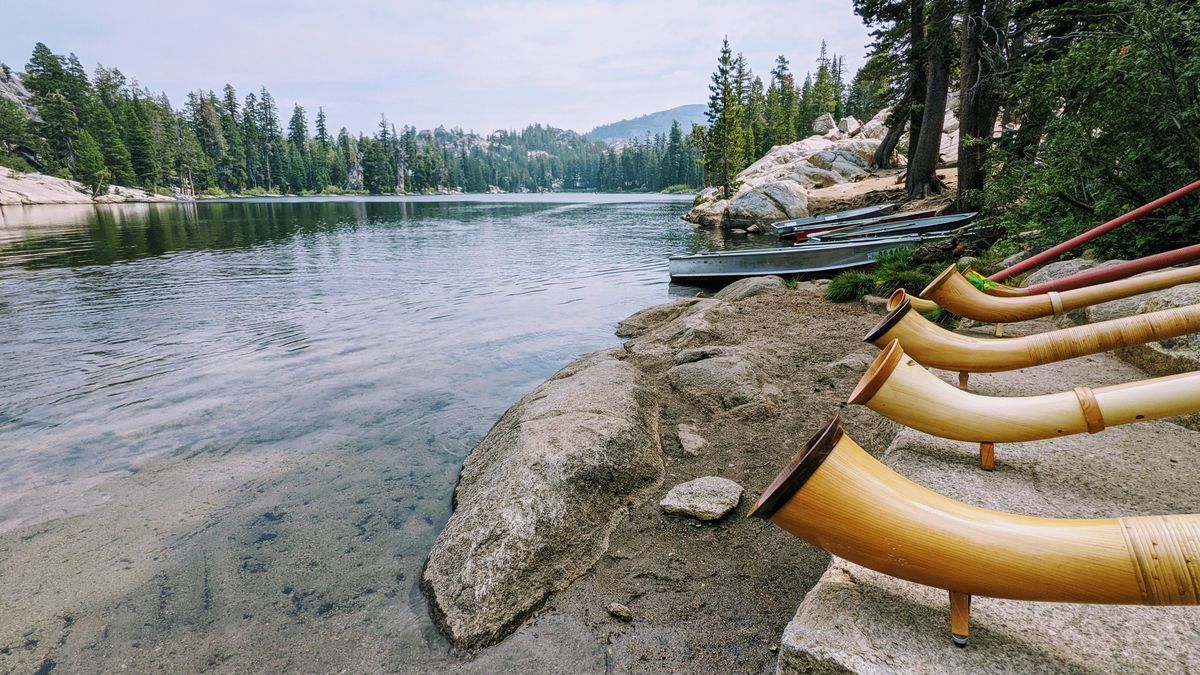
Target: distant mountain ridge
(652, 124)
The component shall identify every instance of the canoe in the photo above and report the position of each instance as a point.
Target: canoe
(811, 258)
(916, 226)
(785, 226)
(810, 230)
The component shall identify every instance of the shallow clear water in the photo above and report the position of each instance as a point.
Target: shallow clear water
(295, 384)
(134, 332)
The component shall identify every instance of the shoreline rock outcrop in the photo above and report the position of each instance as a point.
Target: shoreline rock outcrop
(540, 494)
(17, 188)
(777, 186)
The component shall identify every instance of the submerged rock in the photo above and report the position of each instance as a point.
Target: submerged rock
(707, 498)
(539, 496)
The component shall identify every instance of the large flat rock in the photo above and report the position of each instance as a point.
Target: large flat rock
(540, 495)
(861, 621)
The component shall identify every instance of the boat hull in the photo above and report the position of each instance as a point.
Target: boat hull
(801, 224)
(810, 231)
(810, 259)
(897, 228)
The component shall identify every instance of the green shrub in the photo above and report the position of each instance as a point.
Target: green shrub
(849, 286)
(912, 280)
(943, 318)
(679, 189)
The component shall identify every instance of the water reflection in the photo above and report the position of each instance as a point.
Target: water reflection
(367, 344)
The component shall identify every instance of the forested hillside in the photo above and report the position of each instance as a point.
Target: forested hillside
(105, 128)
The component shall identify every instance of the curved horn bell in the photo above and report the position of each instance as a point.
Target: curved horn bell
(898, 388)
(937, 347)
(952, 291)
(836, 496)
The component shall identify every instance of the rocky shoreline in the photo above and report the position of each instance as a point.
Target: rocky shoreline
(559, 534)
(27, 189)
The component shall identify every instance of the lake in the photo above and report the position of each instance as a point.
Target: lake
(282, 389)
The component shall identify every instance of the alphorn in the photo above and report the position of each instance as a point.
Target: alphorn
(898, 388)
(953, 292)
(937, 347)
(834, 495)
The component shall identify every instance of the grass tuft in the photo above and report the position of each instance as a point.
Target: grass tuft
(849, 286)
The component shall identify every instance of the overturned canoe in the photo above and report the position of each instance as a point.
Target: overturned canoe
(914, 226)
(811, 258)
(836, 496)
(900, 389)
(806, 224)
(936, 347)
(957, 294)
(803, 233)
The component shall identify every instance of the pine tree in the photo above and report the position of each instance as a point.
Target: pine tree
(781, 105)
(322, 132)
(824, 96)
(141, 148)
(235, 168)
(116, 156)
(724, 153)
(89, 164)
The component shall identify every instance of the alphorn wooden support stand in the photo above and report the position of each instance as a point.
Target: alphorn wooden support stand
(987, 456)
(960, 618)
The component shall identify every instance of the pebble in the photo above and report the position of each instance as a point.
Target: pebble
(620, 612)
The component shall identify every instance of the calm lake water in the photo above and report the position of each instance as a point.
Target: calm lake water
(130, 332)
(139, 333)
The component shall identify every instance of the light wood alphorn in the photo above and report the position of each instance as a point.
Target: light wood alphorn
(937, 347)
(898, 388)
(951, 291)
(836, 496)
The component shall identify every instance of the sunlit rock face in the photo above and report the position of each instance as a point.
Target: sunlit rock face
(776, 186)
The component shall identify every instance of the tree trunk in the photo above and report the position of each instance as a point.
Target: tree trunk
(982, 50)
(921, 179)
(883, 154)
(918, 60)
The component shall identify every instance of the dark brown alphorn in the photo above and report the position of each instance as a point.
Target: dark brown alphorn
(951, 291)
(936, 347)
(898, 388)
(836, 496)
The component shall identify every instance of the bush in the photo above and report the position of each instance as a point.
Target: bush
(849, 286)
(912, 280)
(1121, 107)
(679, 189)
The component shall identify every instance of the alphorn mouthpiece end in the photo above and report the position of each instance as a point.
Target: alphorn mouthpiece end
(893, 317)
(939, 280)
(881, 368)
(798, 470)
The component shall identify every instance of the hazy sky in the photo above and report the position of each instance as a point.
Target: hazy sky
(478, 65)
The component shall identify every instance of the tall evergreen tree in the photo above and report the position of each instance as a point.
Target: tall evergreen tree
(724, 155)
(141, 148)
(89, 164)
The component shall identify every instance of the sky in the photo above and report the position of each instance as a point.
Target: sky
(477, 65)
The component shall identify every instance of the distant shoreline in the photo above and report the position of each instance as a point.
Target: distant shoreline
(36, 189)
